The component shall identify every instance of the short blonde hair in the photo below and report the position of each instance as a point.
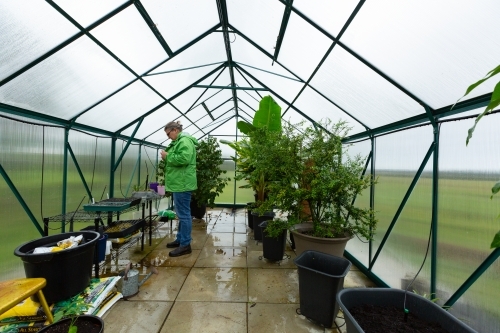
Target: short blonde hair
(174, 125)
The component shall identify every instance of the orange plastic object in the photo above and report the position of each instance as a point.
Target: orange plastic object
(12, 292)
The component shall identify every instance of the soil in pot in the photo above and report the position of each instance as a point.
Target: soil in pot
(383, 319)
(84, 325)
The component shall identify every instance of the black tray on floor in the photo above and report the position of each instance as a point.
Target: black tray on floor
(122, 228)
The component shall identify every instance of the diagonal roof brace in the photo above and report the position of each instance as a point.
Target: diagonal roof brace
(153, 27)
(284, 23)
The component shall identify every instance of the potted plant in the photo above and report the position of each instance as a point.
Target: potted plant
(208, 174)
(274, 238)
(253, 151)
(71, 319)
(318, 171)
(396, 310)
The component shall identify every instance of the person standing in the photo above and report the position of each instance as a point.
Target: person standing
(180, 179)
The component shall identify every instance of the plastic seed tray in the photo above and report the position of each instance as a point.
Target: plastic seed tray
(111, 205)
(122, 228)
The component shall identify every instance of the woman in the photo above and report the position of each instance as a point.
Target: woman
(180, 179)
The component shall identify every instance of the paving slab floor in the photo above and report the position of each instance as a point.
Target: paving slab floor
(224, 285)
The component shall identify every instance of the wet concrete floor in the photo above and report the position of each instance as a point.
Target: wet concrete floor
(224, 285)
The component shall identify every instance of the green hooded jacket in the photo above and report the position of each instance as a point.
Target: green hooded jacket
(180, 164)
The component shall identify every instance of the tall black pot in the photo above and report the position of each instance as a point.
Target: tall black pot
(273, 248)
(197, 211)
(258, 219)
(250, 206)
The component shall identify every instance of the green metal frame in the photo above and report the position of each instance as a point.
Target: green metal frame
(79, 170)
(20, 199)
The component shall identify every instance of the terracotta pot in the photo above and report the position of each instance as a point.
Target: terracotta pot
(303, 242)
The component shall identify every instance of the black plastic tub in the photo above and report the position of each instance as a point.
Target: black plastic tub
(258, 219)
(273, 248)
(321, 278)
(416, 304)
(68, 272)
(250, 206)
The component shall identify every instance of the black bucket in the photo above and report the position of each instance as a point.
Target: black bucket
(68, 272)
(273, 248)
(258, 219)
(250, 206)
(321, 278)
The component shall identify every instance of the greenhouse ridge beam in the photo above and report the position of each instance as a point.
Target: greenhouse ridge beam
(65, 43)
(222, 9)
(224, 87)
(203, 93)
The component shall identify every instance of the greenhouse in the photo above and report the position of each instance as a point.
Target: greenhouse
(375, 98)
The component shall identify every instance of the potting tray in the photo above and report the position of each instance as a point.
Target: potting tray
(122, 228)
(112, 205)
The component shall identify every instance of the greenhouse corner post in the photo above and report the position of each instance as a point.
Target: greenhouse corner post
(236, 155)
(372, 193)
(112, 168)
(435, 177)
(65, 179)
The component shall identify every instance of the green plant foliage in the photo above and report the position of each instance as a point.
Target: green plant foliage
(208, 171)
(494, 102)
(75, 307)
(275, 227)
(160, 172)
(249, 151)
(316, 169)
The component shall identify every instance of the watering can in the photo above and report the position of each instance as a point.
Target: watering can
(129, 284)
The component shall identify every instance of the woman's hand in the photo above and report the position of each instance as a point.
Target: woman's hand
(163, 154)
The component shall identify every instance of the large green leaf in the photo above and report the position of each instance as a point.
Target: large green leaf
(245, 127)
(496, 241)
(495, 189)
(494, 102)
(268, 114)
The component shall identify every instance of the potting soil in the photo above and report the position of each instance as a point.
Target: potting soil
(387, 319)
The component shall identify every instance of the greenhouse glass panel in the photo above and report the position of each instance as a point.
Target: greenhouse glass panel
(180, 21)
(359, 248)
(434, 53)
(154, 122)
(32, 158)
(259, 20)
(287, 88)
(130, 39)
(405, 249)
(93, 158)
(68, 82)
(88, 11)
(227, 195)
(317, 108)
(28, 32)
(245, 53)
(398, 157)
(196, 113)
(169, 84)
(122, 108)
(329, 15)
(224, 109)
(468, 218)
(187, 99)
(361, 92)
(126, 175)
(303, 47)
(220, 78)
(213, 98)
(209, 50)
(218, 124)
(246, 81)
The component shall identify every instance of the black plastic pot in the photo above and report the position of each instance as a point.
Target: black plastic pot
(67, 272)
(321, 278)
(250, 206)
(258, 219)
(416, 304)
(273, 248)
(83, 322)
(196, 211)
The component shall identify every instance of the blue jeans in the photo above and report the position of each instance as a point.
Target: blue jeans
(182, 202)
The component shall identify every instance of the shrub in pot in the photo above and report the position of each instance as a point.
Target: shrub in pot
(274, 238)
(209, 176)
(318, 170)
